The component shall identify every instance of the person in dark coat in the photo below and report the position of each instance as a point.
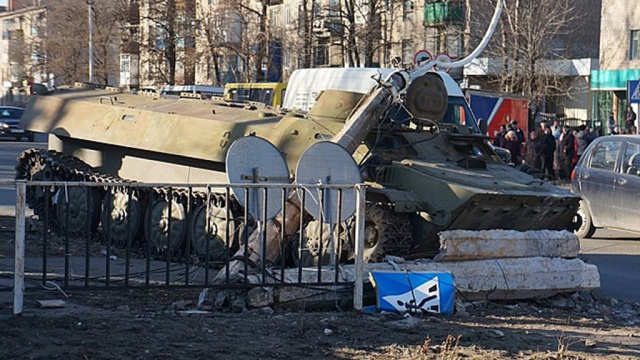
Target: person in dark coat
(581, 141)
(533, 152)
(511, 143)
(629, 119)
(611, 123)
(567, 151)
(500, 135)
(518, 131)
(548, 148)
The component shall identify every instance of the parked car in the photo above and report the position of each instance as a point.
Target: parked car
(607, 177)
(10, 123)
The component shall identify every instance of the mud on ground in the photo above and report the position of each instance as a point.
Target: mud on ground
(159, 324)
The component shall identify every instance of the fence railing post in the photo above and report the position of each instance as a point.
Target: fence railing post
(18, 274)
(358, 286)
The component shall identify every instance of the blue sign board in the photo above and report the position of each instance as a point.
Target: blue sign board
(414, 292)
(633, 91)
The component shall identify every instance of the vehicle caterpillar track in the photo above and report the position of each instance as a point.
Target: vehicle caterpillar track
(133, 215)
(122, 215)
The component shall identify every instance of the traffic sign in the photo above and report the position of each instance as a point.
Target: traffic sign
(441, 59)
(422, 56)
(633, 91)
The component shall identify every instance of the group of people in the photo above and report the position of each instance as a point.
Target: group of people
(553, 151)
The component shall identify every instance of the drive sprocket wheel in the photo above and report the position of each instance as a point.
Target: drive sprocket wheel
(163, 230)
(209, 229)
(122, 216)
(34, 165)
(385, 233)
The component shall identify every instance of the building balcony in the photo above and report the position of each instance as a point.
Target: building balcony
(327, 28)
(443, 13)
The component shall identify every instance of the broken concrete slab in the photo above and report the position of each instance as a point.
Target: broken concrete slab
(495, 279)
(458, 245)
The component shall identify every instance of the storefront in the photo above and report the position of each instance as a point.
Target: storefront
(609, 92)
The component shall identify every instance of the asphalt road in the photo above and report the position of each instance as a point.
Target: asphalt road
(617, 254)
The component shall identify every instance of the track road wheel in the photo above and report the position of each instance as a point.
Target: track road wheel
(584, 224)
(79, 207)
(309, 253)
(211, 229)
(122, 217)
(164, 231)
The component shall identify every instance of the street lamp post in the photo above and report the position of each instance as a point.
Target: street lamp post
(90, 4)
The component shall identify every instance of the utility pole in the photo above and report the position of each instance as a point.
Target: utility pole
(90, 4)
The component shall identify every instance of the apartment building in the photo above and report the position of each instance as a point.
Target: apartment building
(235, 42)
(325, 33)
(22, 58)
(222, 41)
(619, 58)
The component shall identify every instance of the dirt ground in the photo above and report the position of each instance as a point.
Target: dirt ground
(163, 324)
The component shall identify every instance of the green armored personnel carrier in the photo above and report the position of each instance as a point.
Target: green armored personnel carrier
(424, 158)
(419, 148)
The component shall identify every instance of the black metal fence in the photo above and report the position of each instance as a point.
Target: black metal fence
(91, 235)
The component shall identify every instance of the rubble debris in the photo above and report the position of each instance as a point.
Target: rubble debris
(494, 279)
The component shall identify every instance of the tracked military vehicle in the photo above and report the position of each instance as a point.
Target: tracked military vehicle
(421, 152)
(425, 160)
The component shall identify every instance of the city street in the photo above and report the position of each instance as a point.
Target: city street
(617, 254)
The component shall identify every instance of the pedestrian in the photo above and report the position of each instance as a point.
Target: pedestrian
(612, 123)
(629, 119)
(567, 152)
(591, 135)
(518, 131)
(581, 141)
(511, 143)
(548, 149)
(533, 152)
(543, 126)
(556, 129)
(499, 135)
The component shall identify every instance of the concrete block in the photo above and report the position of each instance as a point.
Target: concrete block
(494, 279)
(459, 245)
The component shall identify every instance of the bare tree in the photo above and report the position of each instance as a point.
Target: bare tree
(170, 40)
(66, 39)
(532, 35)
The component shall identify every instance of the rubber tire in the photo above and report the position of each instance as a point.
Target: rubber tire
(586, 229)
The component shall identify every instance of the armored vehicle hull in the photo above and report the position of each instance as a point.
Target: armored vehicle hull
(427, 170)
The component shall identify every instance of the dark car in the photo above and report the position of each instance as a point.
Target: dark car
(10, 123)
(607, 177)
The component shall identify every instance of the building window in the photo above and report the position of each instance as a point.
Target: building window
(125, 63)
(274, 16)
(634, 49)
(287, 17)
(320, 55)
